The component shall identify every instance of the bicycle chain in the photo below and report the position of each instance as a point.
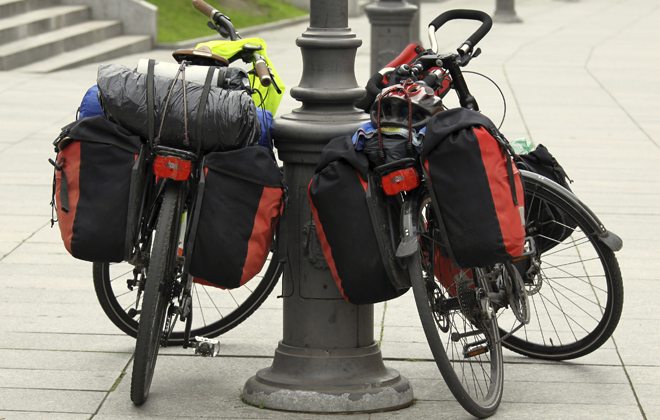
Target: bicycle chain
(467, 297)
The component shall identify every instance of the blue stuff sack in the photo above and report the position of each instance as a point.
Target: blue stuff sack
(265, 118)
(90, 105)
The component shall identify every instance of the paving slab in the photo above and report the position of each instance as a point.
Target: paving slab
(47, 401)
(595, 111)
(35, 415)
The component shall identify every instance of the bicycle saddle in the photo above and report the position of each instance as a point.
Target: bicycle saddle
(200, 57)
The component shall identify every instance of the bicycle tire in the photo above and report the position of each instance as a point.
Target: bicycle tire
(117, 313)
(467, 390)
(157, 294)
(557, 330)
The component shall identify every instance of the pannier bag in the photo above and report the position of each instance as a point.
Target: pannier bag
(237, 208)
(92, 188)
(475, 188)
(340, 203)
(227, 121)
(550, 224)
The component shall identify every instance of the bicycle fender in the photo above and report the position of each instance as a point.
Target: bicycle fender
(409, 244)
(608, 238)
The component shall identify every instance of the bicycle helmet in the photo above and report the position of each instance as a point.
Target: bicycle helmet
(408, 105)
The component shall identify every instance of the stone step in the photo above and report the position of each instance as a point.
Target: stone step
(101, 51)
(41, 20)
(44, 46)
(10, 8)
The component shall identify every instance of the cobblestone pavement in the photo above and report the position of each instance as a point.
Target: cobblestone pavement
(581, 77)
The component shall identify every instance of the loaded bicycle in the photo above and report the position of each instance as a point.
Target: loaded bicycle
(153, 295)
(559, 299)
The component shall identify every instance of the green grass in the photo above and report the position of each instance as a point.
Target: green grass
(178, 20)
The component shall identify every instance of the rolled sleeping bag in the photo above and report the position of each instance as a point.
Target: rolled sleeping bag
(229, 120)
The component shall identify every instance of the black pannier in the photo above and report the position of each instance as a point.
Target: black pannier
(92, 188)
(227, 121)
(476, 189)
(550, 225)
(346, 204)
(237, 208)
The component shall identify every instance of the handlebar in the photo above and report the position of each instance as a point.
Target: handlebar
(205, 8)
(221, 22)
(468, 45)
(261, 68)
(223, 25)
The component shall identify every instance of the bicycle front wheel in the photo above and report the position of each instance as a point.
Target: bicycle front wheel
(158, 289)
(575, 288)
(462, 334)
(217, 310)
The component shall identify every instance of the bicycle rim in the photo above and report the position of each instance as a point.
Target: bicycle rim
(157, 294)
(473, 372)
(577, 296)
(216, 310)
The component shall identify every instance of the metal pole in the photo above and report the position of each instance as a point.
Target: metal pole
(391, 22)
(505, 12)
(327, 360)
(414, 26)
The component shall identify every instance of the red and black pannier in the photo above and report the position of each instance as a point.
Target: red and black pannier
(239, 201)
(475, 187)
(345, 208)
(92, 187)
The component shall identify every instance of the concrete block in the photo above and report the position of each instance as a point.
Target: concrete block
(137, 16)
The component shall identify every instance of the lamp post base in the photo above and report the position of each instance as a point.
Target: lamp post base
(328, 381)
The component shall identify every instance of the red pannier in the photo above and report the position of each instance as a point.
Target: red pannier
(344, 209)
(475, 187)
(92, 187)
(239, 202)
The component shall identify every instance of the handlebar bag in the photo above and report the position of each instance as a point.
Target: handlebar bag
(344, 215)
(239, 201)
(551, 225)
(475, 187)
(92, 186)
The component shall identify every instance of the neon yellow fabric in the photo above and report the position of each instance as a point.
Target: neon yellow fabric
(227, 49)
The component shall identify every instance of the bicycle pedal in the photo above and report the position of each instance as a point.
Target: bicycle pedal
(473, 351)
(205, 347)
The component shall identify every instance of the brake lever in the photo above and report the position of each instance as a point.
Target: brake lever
(465, 59)
(219, 29)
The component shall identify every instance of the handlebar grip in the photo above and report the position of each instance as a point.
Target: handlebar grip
(484, 18)
(204, 8)
(261, 69)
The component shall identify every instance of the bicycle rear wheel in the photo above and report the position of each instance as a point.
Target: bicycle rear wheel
(216, 310)
(462, 334)
(157, 293)
(576, 292)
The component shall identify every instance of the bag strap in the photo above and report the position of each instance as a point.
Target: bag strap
(222, 76)
(202, 107)
(64, 187)
(150, 101)
(508, 151)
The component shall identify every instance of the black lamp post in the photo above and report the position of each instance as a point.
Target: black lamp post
(327, 360)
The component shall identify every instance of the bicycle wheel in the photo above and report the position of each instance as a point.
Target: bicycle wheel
(216, 310)
(575, 292)
(157, 293)
(461, 317)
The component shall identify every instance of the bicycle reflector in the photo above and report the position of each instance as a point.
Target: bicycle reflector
(400, 180)
(172, 167)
